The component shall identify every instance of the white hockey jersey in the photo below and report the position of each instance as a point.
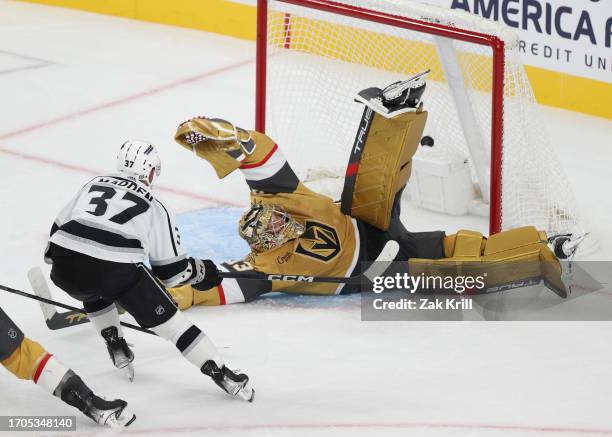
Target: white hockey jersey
(115, 218)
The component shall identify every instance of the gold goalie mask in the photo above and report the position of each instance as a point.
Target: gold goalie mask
(265, 227)
(218, 141)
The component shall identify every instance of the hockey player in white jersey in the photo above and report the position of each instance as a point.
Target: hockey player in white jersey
(98, 245)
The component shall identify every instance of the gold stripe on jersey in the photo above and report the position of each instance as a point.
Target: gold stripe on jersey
(24, 361)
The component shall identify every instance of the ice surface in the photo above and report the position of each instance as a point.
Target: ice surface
(317, 369)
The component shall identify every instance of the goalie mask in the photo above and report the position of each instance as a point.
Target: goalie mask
(139, 160)
(265, 227)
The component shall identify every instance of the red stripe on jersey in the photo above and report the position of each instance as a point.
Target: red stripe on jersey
(351, 169)
(262, 162)
(221, 294)
(40, 367)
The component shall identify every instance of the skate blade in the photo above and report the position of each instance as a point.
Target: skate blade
(121, 419)
(246, 393)
(129, 371)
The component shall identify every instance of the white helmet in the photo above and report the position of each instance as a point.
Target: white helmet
(137, 158)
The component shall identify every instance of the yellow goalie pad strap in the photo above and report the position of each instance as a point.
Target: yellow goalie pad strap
(25, 360)
(385, 166)
(509, 256)
(212, 139)
(513, 243)
(468, 245)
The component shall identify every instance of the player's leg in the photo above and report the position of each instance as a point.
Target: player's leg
(517, 257)
(428, 245)
(99, 283)
(28, 360)
(87, 279)
(139, 293)
(148, 302)
(380, 162)
(10, 340)
(105, 319)
(396, 227)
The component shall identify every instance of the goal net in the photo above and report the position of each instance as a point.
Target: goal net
(315, 55)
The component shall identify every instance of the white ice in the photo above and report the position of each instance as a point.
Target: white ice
(74, 86)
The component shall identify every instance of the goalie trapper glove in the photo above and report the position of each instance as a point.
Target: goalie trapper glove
(120, 353)
(206, 274)
(235, 384)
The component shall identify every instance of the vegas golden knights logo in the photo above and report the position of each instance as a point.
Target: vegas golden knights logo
(319, 241)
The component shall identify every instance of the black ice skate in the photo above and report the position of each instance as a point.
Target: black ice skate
(119, 351)
(234, 384)
(109, 413)
(565, 246)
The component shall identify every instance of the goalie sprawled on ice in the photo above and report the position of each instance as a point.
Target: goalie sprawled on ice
(295, 231)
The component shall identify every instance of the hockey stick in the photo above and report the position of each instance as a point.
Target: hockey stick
(378, 267)
(54, 319)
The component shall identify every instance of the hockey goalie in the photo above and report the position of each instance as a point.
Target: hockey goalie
(293, 230)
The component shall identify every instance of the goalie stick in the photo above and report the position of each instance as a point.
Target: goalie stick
(378, 267)
(382, 263)
(75, 316)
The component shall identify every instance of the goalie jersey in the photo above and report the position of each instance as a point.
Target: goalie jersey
(330, 243)
(329, 246)
(115, 218)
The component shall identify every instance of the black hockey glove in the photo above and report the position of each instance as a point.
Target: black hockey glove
(207, 275)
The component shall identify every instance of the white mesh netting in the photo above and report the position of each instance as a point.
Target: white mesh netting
(317, 62)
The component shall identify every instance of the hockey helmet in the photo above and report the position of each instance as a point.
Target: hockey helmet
(138, 159)
(266, 227)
